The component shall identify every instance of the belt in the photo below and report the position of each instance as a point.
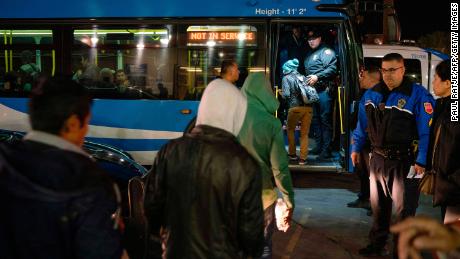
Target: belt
(393, 153)
(305, 105)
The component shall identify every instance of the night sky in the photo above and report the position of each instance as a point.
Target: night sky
(418, 18)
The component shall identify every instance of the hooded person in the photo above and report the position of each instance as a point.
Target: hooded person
(298, 111)
(222, 106)
(262, 135)
(204, 188)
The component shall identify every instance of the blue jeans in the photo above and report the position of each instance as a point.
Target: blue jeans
(322, 121)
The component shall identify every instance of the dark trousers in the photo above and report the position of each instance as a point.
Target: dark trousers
(269, 228)
(322, 121)
(389, 184)
(362, 170)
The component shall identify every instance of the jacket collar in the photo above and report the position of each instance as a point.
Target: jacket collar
(206, 130)
(53, 140)
(405, 88)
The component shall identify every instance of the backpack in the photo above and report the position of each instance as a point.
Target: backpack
(308, 93)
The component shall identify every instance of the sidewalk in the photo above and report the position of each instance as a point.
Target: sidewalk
(325, 228)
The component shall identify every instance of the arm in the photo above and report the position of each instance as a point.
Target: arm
(329, 63)
(97, 235)
(251, 214)
(285, 86)
(155, 194)
(359, 134)
(422, 233)
(423, 117)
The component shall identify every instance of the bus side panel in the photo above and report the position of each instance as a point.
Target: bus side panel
(139, 127)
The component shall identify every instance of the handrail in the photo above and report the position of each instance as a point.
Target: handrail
(53, 55)
(340, 109)
(5, 41)
(11, 51)
(276, 95)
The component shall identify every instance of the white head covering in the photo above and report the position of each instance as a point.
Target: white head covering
(222, 106)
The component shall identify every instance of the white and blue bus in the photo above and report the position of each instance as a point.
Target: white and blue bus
(148, 62)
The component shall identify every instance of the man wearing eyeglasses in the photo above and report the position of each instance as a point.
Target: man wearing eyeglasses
(394, 115)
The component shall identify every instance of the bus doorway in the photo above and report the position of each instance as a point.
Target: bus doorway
(290, 40)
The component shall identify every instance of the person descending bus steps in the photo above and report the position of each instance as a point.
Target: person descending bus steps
(262, 135)
(321, 69)
(203, 191)
(298, 111)
(394, 114)
(56, 201)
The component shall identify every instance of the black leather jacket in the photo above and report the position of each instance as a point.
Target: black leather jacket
(445, 160)
(203, 192)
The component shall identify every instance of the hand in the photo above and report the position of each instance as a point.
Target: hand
(312, 79)
(419, 169)
(288, 218)
(124, 254)
(422, 233)
(355, 158)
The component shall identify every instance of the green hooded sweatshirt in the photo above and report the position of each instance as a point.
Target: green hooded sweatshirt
(262, 135)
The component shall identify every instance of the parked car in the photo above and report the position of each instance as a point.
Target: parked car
(119, 164)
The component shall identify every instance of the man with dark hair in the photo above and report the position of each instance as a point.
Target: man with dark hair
(394, 115)
(229, 71)
(56, 201)
(369, 77)
(443, 152)
(89, 73)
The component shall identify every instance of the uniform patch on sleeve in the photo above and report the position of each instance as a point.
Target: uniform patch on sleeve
(428, 107)
(328, 52)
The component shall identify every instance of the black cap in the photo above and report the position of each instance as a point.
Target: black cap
(313, 33)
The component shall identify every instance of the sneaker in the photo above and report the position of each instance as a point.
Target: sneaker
(302, 162)
(372, 250)
(293, 158)
(359, 203)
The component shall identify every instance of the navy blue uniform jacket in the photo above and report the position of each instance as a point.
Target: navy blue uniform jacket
(395, 118)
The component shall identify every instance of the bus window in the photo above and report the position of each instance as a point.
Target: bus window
(125, 63)
(25, 55)
(202, 48)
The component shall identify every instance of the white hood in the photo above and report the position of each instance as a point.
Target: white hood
(222, 106)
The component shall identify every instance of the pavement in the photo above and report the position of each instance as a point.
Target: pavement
(324, 227)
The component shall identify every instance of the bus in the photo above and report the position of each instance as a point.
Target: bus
(147, 63)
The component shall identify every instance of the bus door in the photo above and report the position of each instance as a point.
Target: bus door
(283, 47)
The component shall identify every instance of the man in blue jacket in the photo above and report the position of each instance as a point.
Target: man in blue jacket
(394, 114)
